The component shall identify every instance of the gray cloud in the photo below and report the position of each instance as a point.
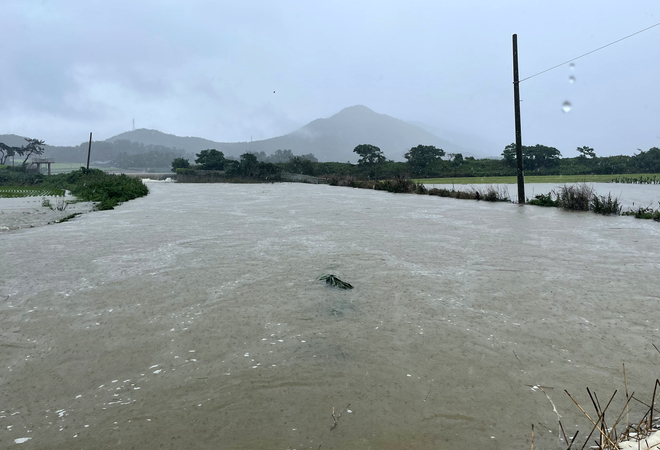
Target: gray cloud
(209, 68)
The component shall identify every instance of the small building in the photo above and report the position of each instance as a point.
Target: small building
(38, 162)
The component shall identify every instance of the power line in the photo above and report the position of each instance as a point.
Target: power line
(589, 53)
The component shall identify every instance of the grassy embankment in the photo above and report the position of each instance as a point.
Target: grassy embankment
(93, 185)
(614, 178)
(576, 196)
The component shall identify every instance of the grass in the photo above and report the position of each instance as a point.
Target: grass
(92, 185)
(614, 178)
(106, 190)
(644, 213)
(399, 185)
(29, 191)
(576, 197)
(579, 197)
(611, 428)
(490, 194)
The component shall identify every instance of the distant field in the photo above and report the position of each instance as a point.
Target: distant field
(70, 167)
(538, 179)
(29, 191)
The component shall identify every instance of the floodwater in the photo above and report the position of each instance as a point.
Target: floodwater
(191, 318)
(630, 196)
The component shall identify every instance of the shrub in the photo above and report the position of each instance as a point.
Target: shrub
(545, 200)
(644, 213)
(493, 195)
(605, 205)
(401, 185)
(575, 197)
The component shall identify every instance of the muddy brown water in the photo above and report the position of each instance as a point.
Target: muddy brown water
(191, 318)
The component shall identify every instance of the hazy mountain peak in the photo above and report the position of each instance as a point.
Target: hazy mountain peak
(329, 139)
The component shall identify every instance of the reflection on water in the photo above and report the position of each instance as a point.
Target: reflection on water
(192, 318)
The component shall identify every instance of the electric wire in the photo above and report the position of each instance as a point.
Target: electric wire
(589, 53)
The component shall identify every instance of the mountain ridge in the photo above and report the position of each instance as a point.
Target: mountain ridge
(329, 139)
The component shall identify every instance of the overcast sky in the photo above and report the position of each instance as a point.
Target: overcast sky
(229, 71)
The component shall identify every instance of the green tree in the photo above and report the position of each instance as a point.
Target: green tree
(586, 152)
(249, 165)
(7, 151)
(301, 165)
(211, 159)
(534, 157)
(33, 147)
(509, 155)
(267, 171)
(180, 163)
(648, 161)
(371, 157)
(422, 158)
(540, 157)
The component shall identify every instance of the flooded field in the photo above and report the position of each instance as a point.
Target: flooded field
(631, 196)
(191, 318)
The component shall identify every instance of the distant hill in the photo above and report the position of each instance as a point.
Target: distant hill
(475, 145)
(334, 138)
(331, 139)
(12, 140)
(154, 137)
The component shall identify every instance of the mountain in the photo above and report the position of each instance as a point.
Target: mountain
(12, 140)
(475, 145)
(331, 139)
(154, 137)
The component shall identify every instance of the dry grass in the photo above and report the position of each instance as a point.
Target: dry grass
(612, 430)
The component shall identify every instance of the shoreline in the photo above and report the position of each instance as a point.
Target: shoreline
(28, 212)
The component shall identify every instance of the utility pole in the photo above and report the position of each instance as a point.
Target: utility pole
(89, 151)
(516, 101)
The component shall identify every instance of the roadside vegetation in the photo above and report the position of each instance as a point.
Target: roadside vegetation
(92, 185)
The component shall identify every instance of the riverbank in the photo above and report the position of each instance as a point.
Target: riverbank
(29, 212)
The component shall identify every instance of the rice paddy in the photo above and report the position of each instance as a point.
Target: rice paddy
(29, 191)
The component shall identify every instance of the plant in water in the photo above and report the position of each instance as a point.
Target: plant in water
(545, 200)
(332, 280)
(605, 205)
(644, 213)
(576, 197)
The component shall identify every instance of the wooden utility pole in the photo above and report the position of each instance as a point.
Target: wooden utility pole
(89, 151)
(516, 101)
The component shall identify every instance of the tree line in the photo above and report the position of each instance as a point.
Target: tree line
(249, 165)
(427, 161)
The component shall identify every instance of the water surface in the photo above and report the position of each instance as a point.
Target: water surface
(191, 318)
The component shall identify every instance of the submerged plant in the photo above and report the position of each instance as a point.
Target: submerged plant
(545, 200)
(644, 213)
(606, 205)
(576, 197)
(332, 280)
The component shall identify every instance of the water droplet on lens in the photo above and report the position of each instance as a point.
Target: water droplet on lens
(571, 79)
(566, 107)
(572, 66)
